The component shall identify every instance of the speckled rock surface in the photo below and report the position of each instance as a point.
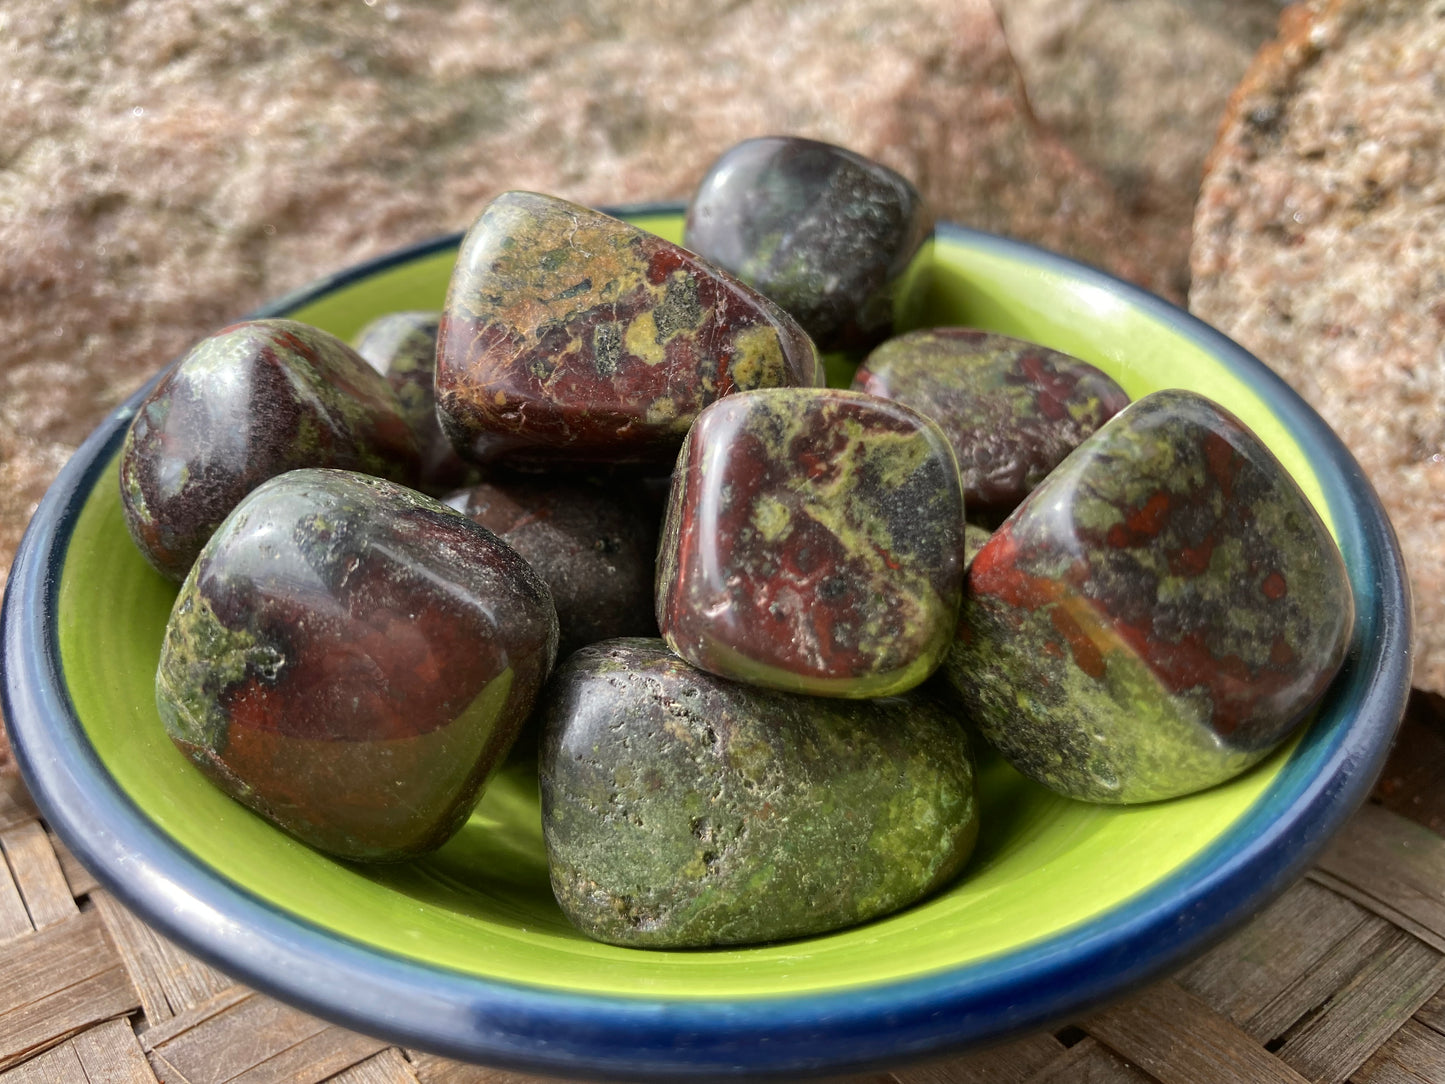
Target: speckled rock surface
(824, 232)
(681, 810)
(1319, 244)
(402, 347)
(593, 541)
(813, 543)
(352, 660)
(246, 404)
(1158, 614)
(1011, 409)
(570, 336)
(1136, 88)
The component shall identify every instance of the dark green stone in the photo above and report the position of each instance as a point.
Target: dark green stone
(683, 810)
(1158, 615)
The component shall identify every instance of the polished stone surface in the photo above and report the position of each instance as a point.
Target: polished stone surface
(570, 336)
(1011, 409)
(592, 540)
(681, 810)
(402, 346)
(1158, 615)
(824, 232)
(352, 660)
(813, 543)
(248, 403)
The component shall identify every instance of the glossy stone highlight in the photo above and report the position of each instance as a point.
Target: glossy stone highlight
(351, 660)
(681, 810)
(813, 542)
(570, 336)
(1162, 611)
(402, 346)
(246, 404)
(1011, 409)
(824, 232)
(592, 540)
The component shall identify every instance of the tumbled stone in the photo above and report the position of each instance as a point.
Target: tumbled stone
(352, 659)
(402, 346)
(681, 810)
(824, 232)
(572, 336)
(592, 540)
(1011, 409)
(1158, 615)
(250, 402)
(813, 543)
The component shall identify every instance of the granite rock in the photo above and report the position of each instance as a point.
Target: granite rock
(1319, 244)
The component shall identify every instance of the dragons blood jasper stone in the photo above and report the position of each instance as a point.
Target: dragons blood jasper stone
(351, 660)
(1161, 612)
(824, 232)
(251, 402)
(813, 542)
(593, 541)
(402, 346)
(1011, 409)
(681, 810)
(572, 336)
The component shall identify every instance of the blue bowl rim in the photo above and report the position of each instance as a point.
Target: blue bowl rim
(784, 1037)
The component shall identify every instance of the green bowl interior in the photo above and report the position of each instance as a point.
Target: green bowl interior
(482, 904)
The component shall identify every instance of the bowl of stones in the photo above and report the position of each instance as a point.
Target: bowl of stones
(1050, 901)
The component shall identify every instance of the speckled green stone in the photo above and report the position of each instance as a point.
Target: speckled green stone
(682, 810)
(1158, 615)
(402, 346)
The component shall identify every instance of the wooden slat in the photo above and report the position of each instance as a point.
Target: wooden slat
(1413, 1055)
(257, 1040)
(14, 919)
(37, 874)
(1410, 783)
(1246, 977)
(168, 979)
(58, 981)
(1090, 1062)
(16, 806)
(431, 1069)
(388, 1067)
(110, 1054)
(82, 882)
(1373, 1006)
(1179, 1039)
(59, 1065)
(1012, 1063)
(1396, 867)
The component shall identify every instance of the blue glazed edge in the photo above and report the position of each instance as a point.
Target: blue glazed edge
(641, 1038)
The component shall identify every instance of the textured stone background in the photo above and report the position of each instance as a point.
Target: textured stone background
(166, 166)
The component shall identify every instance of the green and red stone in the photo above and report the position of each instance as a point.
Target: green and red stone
(1159, 614)
(681, 810)
(253, 401)
(402, 346)
(592, 540)
(569, 336)
(352, 660)
(824, 232)
(813, 542)
(1011, 409)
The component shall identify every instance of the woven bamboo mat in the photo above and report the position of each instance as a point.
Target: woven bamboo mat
(1342, 979)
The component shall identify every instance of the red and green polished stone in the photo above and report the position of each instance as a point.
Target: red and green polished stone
(1158, 615)
(352, 660)
(246, 404)
(813, 542)
(824, 232)
(1011, 409)
(681, 810)
(402, 346)
(569, 336)
(592, 540)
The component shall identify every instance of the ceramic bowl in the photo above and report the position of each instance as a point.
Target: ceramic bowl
(465, 953)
